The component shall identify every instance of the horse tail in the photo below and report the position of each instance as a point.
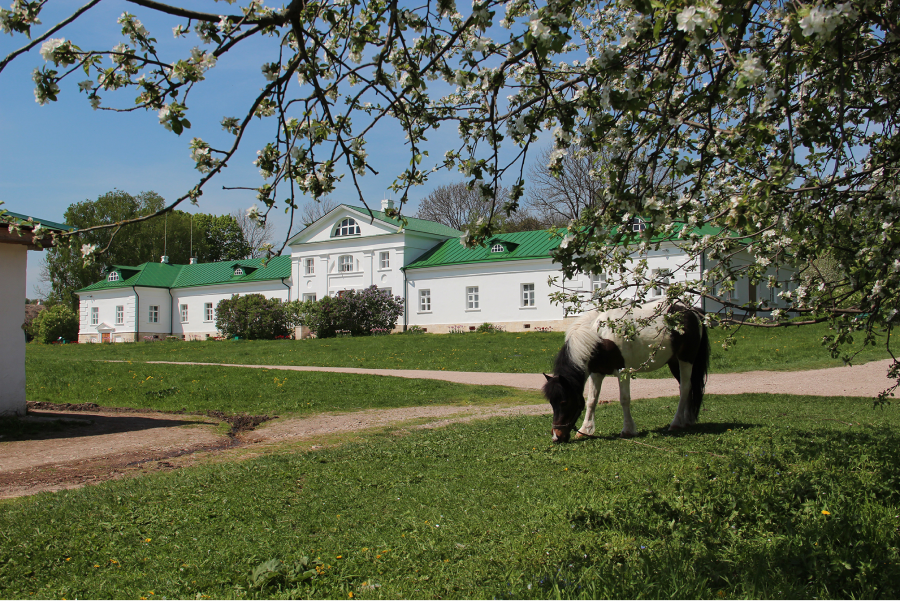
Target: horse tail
(700, 371)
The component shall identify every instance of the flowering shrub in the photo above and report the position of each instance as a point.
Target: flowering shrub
(357, 312)
(457, 329)
(415, 330)
(544, 329)
(380, 331)
(489, 328)
(253, 316)
(54, 323)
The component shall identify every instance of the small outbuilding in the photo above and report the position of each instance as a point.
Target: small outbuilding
(18, 234)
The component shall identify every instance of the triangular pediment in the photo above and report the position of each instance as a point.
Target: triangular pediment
(343, 223)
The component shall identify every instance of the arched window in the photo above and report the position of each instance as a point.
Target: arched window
(238, 271)
(113, 276)
(497, 248)
(347, 227)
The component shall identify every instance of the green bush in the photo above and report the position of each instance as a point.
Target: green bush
(359, 312)
(54, 323)
(488, 328)
(254, 317)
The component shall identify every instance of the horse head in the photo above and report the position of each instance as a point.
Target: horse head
(567, 402)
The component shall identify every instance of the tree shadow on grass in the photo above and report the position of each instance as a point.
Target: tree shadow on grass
(47, 425)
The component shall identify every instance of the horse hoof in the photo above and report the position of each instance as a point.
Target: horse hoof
(674, 428)
(625, 434)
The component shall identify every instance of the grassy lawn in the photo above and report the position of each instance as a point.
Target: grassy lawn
(783, 349)
(770, 497)
(242, 390)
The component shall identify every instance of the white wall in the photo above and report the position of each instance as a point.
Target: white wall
(13, 258)
(106, 301)
(328, 280)
(499, 294)
(197, 326)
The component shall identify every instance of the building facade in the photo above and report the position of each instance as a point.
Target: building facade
(444, 285)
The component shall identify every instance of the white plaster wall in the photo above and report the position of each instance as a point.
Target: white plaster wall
(106, 301)
(366, 252)
(13, 258)
(154, 297)
(499, 291)
(197, 327)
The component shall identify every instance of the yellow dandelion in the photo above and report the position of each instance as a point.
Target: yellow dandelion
(147, 540)
(826, 512)
(339, 556)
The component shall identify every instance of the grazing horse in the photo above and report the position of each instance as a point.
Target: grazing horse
(593, 349)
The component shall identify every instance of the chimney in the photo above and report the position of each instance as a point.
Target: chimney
(165, 259)
(193, 260)
(387, 204)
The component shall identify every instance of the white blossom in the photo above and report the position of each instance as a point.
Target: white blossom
(50, 46)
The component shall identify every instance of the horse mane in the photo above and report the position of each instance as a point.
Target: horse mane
(567, 369)
(581, 339)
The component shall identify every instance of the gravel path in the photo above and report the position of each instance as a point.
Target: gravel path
(98, 445)
(865, 380)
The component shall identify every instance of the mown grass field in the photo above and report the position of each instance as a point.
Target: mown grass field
(782, 349)
(769, 497)
(198, 388)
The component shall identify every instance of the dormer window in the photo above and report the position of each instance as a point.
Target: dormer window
(636, 225)
(497, 248)
(238, 271)
(113, 276)
(347, 227)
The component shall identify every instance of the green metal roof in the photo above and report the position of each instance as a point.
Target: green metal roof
(22, 219)
(518, 246)
(413, 224)
(164, 275)
(537, 244)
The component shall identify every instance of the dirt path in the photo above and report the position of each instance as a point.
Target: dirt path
(93, 446)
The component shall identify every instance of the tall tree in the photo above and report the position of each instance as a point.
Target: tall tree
(176, 235)
(314, 210)
(560, 195)
(457, 205)
(773, 123)
(257, 233)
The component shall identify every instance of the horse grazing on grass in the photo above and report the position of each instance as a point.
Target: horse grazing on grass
(593, 349)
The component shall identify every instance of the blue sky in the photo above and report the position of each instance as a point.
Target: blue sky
(64, 152)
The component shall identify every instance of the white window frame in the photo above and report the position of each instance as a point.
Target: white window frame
(95, 316)
(527, 297)
(497, 248)
(113, 276)
(310, 297)
(384, 260)
(345, 264)
(473, 302)
(663, 276)
(425, 301)
(153, 314)
(347, 227)
(183, 310)
(637, 225)
(309, 267)
(238, 271)
(598, 282)
(209, 312)
(120, 315)
(727, 295)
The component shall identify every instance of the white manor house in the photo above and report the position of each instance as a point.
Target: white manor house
(443, 283)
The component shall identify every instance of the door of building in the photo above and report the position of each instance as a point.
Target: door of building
(105, 337)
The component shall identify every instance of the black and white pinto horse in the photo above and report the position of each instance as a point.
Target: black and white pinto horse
(594, 350)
